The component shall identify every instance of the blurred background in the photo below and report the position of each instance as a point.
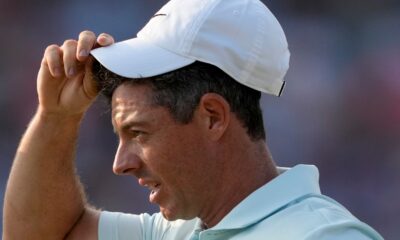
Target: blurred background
(338, 110)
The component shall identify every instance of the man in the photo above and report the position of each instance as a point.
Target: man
(185, 97)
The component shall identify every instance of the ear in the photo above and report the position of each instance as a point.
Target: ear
(215, 113)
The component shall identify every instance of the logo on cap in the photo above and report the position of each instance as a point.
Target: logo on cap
(159, 14)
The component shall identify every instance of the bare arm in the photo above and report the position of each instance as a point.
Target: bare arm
(44, 197)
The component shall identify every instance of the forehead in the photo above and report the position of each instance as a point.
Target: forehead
(126, 93)
(131, 101)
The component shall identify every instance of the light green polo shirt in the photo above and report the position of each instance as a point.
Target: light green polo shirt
(290, 207)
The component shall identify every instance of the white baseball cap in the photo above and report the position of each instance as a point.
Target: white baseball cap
(241, 37)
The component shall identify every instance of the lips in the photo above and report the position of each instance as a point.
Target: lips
(154, 193)
(154, 189)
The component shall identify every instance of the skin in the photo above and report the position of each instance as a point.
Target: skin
(185, 159)
(157, 150)
(200, 169)
(43, 198)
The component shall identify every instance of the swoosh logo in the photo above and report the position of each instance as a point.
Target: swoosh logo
(159, 14)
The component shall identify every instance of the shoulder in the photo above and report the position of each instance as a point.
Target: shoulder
(312, 217)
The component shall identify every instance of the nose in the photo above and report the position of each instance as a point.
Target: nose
(126, 161)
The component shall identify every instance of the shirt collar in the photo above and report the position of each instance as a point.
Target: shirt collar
(290, 185)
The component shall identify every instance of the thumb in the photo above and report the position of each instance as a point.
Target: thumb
(90, 86)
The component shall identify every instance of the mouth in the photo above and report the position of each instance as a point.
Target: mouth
(154, 191)
(154, 188)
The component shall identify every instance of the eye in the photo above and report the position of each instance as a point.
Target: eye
(138, 136)
(136, 133)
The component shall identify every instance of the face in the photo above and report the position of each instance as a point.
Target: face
(169, 158)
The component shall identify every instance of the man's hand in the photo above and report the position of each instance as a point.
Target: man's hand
(65, 85)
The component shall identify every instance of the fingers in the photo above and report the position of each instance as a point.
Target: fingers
(52, 58)
(86, 41)
(105, 39)
(62, 61)
(70, 58)
(69, 49)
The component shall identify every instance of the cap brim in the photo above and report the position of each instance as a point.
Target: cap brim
(136, 58)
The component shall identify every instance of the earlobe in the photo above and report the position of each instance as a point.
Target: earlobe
(215, 111)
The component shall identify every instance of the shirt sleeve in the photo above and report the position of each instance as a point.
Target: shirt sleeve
(122, 226)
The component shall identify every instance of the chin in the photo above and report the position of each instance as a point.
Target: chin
(168, 214)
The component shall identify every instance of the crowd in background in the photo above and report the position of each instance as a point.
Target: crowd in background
(339, 109)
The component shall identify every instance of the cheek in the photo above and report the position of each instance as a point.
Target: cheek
(177, 155)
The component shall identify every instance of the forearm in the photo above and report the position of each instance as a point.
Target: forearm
(44, 199)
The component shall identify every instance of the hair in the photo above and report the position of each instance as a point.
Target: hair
(180, 92)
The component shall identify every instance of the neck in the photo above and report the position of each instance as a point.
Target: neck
(247, 167)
